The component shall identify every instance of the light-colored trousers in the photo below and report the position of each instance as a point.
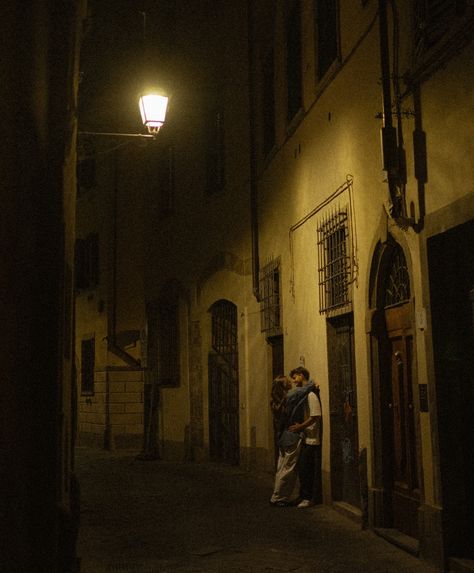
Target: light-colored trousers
(286, 474)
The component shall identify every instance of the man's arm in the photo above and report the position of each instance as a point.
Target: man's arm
(299, 427)
(314, 414)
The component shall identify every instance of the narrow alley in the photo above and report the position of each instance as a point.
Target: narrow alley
(158, 516)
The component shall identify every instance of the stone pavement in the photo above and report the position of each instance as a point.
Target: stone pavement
(160, 517)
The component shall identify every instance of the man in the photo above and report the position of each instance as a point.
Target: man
(309, 464)
(291, 411)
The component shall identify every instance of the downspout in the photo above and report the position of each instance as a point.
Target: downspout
(253, 157)
(112, 315)
(389, 133)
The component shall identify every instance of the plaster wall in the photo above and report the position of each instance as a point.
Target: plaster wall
(337, 135)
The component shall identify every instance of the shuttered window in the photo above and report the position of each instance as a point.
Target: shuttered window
(87, 366)
(326, 34)
(87, 262)
(293, 61)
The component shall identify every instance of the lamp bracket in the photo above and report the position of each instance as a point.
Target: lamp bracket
(100, 133)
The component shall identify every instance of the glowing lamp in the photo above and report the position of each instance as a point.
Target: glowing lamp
(153, 111)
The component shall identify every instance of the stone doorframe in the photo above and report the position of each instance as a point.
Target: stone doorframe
(380, 504)
(430, 545)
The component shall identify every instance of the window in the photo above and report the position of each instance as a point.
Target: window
(326, 35)
(168, 344)
(293, 61)
(269, 103)
(87, 366)
(224, 327)
(163, 347)
(87, 262)
(215, 159)
(334, 262)
(397, 286)
(270, 289)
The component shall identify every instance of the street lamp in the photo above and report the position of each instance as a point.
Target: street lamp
(153, 111)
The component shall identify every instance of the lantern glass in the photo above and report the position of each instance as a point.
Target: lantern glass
(153, 111)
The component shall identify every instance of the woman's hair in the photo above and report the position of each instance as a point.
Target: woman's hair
(279, 389)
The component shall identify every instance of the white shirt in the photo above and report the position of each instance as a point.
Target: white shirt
(313, 432)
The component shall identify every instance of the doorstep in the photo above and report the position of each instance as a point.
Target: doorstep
(409, 544)
(350, 511)
(458, 565)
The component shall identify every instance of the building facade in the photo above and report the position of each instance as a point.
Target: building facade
(308, 203)
(40, 74)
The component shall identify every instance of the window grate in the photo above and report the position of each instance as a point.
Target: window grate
(270, 305)
(334, 261)
(224, 330)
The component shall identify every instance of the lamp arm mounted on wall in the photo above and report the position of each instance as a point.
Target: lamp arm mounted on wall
(106, 134)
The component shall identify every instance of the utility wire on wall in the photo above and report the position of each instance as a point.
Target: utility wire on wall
(346, 186)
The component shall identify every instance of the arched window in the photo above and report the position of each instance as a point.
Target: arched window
(397, 282)
(224, 328)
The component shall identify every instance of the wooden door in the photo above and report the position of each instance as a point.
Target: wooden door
(400, 410)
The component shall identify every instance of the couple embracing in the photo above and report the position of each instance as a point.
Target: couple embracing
(298, 424)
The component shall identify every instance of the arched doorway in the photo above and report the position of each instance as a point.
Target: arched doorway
(395, 421)
(223, 362)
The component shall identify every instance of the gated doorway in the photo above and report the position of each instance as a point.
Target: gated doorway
(395, 424)
(224, 444)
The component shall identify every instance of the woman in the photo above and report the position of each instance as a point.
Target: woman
(288, 422)
(287, 455)
(280, 386)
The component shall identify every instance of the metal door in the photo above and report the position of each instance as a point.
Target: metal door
(276, 343)
(343, 408)
(224, 443)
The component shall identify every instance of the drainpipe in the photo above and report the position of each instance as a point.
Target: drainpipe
(111, 338)
(253, 158)
(389, 133)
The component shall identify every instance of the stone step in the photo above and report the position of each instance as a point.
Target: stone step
(458, 565)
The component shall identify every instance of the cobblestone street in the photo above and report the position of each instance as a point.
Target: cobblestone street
(159, 517)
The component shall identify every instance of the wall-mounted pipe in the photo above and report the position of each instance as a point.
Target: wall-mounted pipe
(253, 157)
(389, 133)
(112, 345)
